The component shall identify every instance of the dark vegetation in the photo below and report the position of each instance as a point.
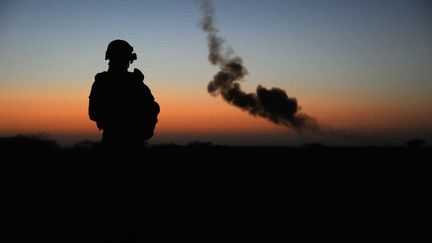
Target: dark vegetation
(203, 192)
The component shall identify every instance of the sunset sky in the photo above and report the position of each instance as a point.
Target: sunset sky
(362, 67)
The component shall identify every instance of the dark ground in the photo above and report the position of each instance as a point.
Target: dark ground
(208, 193)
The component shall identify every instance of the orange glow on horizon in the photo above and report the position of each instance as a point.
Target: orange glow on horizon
(66, 113)
(33, 112)
(26, 112)
(366, 115)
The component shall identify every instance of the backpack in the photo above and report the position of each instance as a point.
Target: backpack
(149, 123)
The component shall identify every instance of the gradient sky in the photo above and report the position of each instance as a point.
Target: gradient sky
(361, 66)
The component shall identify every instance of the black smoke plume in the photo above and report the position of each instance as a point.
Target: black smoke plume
(272, 104)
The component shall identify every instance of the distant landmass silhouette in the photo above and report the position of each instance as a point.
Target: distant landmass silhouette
(204, 192)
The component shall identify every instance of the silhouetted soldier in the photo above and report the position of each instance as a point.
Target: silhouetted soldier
(120, 103)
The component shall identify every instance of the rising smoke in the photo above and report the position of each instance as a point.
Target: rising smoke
(272, 104)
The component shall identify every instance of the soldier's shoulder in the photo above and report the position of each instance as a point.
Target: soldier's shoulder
(101, 76)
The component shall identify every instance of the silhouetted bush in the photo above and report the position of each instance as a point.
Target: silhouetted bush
(415, 143)
(199, 144)
(313, 146)
(85, 145)
(38, 142)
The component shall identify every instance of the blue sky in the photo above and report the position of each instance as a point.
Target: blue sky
(335, 41)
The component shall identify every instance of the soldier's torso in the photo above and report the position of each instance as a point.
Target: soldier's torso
(123, 97)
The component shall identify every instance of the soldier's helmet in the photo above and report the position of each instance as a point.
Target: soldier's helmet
(120, 50)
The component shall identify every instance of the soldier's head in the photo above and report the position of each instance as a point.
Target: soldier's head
(120, 53)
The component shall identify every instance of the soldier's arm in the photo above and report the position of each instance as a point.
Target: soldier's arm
(95, 106)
